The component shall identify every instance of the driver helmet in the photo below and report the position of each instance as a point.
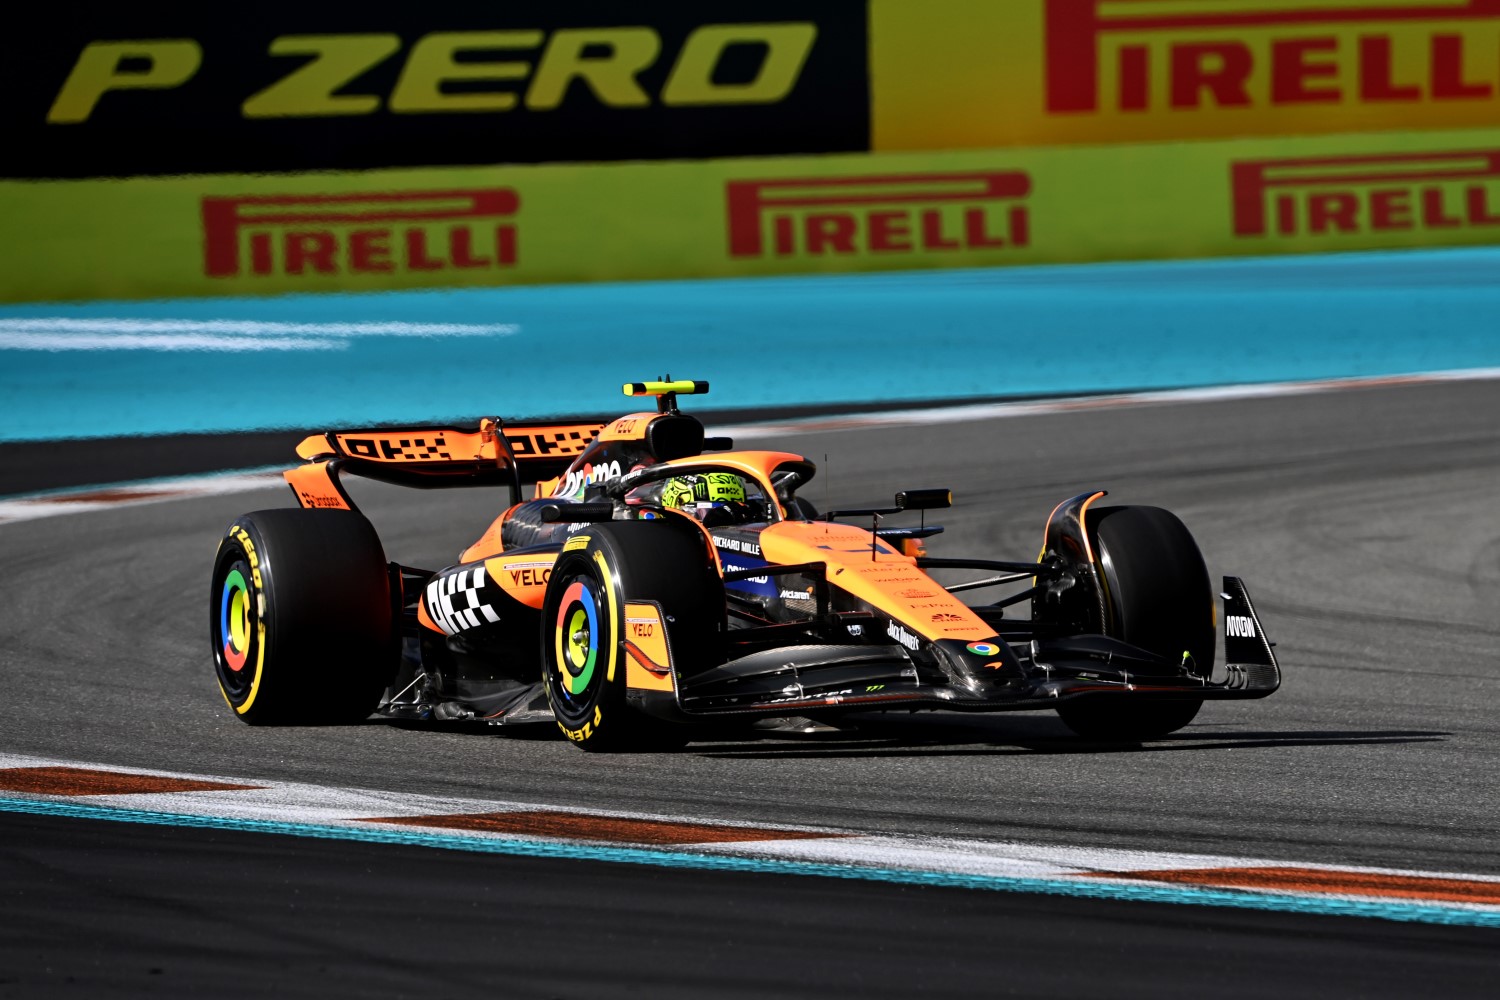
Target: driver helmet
(712, 497)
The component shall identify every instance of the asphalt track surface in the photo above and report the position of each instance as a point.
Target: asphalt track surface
(1363, 521)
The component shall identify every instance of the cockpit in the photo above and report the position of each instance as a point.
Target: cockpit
(718, 495)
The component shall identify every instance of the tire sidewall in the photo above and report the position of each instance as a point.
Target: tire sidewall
(325, 637)
(247, 691)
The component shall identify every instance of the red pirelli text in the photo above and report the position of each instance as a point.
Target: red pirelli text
(409, 231)
(1144, 55)
(889, 214)
(1366, 194)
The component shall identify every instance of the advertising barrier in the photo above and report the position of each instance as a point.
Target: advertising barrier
(177, 89)
(971, 74)
(174, 150)
(476, 226)
(162, 89)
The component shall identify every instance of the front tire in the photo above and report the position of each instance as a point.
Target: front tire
(583, 627)
(300, 617)
(1158, 598)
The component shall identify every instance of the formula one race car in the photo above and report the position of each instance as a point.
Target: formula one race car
(658, 583)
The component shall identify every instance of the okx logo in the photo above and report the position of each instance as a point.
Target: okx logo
(407, 231)
(889, 214)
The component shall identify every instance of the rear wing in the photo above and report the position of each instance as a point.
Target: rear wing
(491, 454)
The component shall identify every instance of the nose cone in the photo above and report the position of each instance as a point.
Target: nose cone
(980, 666)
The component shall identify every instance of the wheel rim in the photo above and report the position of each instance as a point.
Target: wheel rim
(234, 620)
(578, 635)
(236, 629)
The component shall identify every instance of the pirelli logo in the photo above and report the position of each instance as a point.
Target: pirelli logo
(1147, 55)
(1366, 194)
(891, 214)
(407, 231)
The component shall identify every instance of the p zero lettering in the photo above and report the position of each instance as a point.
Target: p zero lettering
(529, 68)
(192, 91)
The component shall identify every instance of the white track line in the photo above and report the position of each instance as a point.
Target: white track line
(61, 333)
(1075, 404)
(54, 342)
(96, 498)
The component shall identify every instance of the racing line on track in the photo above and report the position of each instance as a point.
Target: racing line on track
(48, 787)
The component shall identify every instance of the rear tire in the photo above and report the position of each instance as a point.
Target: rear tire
(1158, 598)
(300, 617)
(583, 627)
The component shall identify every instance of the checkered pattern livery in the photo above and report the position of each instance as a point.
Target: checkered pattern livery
(419, 450)
(551, 442)
(454, 602)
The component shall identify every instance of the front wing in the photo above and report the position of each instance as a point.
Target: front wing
(807, 678)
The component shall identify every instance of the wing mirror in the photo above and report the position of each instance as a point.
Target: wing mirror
(924, 499)
(577, 513)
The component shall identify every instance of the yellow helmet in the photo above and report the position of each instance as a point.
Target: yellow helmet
(712, 497)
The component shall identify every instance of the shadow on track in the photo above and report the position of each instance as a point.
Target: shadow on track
(965, 736)
(1031, 738)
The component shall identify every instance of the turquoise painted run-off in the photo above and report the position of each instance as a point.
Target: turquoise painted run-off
(106, 368)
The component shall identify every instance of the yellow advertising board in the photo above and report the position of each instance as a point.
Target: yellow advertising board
(980, 74)
(486, 226)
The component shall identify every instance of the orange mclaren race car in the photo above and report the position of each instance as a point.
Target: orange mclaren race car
(659, 582)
